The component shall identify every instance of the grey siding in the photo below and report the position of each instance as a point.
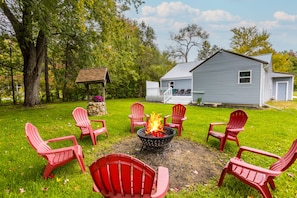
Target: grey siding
(216, 80)
(290, 83)
(178, 84)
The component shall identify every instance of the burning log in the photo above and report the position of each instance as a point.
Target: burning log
(155, 127)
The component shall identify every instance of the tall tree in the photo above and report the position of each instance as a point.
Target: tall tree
(187, 38)
(33, 21)
(207, 50)
(249, 41)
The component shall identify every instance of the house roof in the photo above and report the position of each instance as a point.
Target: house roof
(181, 71)
(264, 57)
(93, 75)
(255, 58)
(278, 74)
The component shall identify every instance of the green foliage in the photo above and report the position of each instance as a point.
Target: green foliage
(249, 41)
(207, 50)
(21, 169)
(282, 63)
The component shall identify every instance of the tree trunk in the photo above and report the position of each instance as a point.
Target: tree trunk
(46, 78)
(33, 55)
(33, 59)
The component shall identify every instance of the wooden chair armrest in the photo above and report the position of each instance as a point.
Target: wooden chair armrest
(239, 162)
(184, 118)
(218, 123)
(101, 121)
(257, 151)
(55, 151)
(165, 119)
(147, 117)
(235, 130)
(162, 182)
(69, 137)
(167, 116)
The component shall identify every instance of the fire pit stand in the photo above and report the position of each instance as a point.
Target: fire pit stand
(155, 143)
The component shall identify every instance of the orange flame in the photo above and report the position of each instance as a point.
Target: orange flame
(155, 126)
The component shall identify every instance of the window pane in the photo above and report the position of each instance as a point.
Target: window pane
(243, 74)
(244, 80)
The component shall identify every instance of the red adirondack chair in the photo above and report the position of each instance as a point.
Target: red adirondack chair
(137, 116)
(121, 175)
(177, 118)
(235, 125)
(55, 157)
(80, 115)
(258, 177)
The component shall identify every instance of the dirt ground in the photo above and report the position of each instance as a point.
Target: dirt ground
(189, 163)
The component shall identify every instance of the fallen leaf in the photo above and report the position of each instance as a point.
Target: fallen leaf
(22, 190)
(66, 181)
(45, 189)
(291, 175)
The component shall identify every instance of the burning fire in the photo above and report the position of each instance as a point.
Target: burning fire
(155, 126)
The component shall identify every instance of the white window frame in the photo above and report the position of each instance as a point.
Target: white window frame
(244, 77)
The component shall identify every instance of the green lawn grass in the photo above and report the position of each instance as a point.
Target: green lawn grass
(272, 130)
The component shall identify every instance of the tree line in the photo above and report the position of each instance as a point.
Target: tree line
(44, 44)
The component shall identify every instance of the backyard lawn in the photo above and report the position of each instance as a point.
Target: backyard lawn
(271, 129)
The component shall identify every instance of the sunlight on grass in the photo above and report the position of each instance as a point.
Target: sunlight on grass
(271, 129)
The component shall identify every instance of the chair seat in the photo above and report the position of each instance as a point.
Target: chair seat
(57, 158)
(140, 123)
(221, 135)
(250, 175)
(100, 130)
(216, 134)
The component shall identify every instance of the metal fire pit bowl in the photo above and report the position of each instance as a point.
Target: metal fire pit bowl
(151, 142)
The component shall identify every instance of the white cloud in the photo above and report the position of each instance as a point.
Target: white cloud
(218, 15)
(282, 16)
(166, 9)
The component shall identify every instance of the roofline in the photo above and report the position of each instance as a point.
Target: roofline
(219, 51)
(282, 73)
(176, 78)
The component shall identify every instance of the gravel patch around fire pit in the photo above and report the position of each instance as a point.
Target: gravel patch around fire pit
(188, 162)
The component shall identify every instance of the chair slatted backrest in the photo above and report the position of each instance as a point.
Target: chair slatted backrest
(81, 118)
(137, 111)
(287, 160)
(122, 174)
(237, 119)
(34, 138)
(178, 112)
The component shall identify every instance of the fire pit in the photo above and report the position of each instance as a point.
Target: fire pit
(152, 142)
(155, 136)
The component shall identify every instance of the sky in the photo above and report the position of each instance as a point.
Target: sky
(218, 17)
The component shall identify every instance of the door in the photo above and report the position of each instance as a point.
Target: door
(282, 90)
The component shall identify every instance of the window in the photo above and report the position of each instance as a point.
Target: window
(171, 84)
(245, 77)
